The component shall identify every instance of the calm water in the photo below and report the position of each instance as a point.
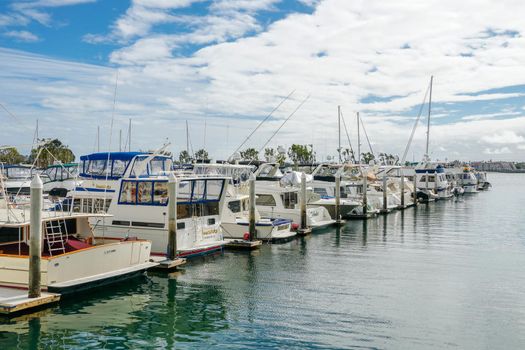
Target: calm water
(447, 275)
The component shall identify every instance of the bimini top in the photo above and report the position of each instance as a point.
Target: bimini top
(94, 165)
(112, 155)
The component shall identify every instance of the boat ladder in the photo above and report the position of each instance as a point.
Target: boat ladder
(55, 237)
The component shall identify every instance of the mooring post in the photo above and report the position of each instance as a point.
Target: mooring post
(252, 229)
(436, 183)
(35, 241)
(304, 224)
(338, 198)
(415, 189)
(173, 186)
(385, 194)
(426, 181)
(365, 195)
(402, 186)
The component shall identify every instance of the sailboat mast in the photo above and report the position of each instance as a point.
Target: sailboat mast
(129, 136)
(187, 139)
(358, 140)
(429, 109)
(339, 131)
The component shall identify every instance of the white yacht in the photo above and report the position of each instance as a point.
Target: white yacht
(432, 182)
(73, 257)
(16, 178)
(59, 179)
(235, 209)
(468, 180)
(139, 207)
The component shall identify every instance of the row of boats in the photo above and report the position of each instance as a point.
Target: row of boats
(106, 218)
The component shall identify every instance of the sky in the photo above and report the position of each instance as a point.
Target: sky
(224, 65)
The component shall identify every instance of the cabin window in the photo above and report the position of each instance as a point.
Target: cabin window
(199, 190)
(206, 209)
(119, 167)
(10, 234)
(101, 205)
(181, 225)
(144, 192)
(184, 211)
(214, 189)
(139, 164)
(235, 206)
(156, 166)
(211, 221)
(289, 199)
(160, 193)
(184, 192)
(128, 193)
(87, 205)
(121, 222)
(97, 167)
(320, 191)
(265, 200)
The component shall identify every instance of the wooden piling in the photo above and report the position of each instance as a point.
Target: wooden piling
(35, 241)
(172, 216)
(252, 228)
(338, 199)
(385, 194)
(402, 186)
(415, 189)
(303, 229)
(365, 195)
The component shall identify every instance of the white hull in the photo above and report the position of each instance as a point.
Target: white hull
(265, 232)
(81, 268)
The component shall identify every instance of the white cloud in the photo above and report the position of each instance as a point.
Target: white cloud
(341, 53)
(490, 115)
(22, 35)
(504, 137)
(497, 151)
(521, 147)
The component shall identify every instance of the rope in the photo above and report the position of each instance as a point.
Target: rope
(287, 118)
(261, 123)
(348, 136)
(415, 126)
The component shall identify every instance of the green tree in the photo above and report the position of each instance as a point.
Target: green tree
(201, 154)
(269, 154)
(50, 151)
(11, 156)
(301, 154)
(184, 157)
(367, 157)
(250, 154)
(348, 154)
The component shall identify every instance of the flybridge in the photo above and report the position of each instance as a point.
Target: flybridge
(113, 165)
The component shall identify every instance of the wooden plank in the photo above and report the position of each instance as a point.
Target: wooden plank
(242, 244)
(16, 300)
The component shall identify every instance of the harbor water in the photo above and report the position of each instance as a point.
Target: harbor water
(445, 275)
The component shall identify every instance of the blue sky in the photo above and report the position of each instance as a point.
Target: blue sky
(226, 64)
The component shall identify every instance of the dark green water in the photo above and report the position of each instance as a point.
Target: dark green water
(447, 275)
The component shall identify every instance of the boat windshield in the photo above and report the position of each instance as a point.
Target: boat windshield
(17, 173)
(239, 174)
(157, 165)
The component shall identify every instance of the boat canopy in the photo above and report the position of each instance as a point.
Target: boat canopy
(60, 172)
(96, 165)
(18, 171)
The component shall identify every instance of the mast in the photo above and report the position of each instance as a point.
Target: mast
(339, 131)
(120, 140)
(129, 136)
(358, 141)
(187, 138)
(428, 120)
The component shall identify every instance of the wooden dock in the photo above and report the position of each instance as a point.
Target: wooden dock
(242, 244)
(14, 301)
(166, 264)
